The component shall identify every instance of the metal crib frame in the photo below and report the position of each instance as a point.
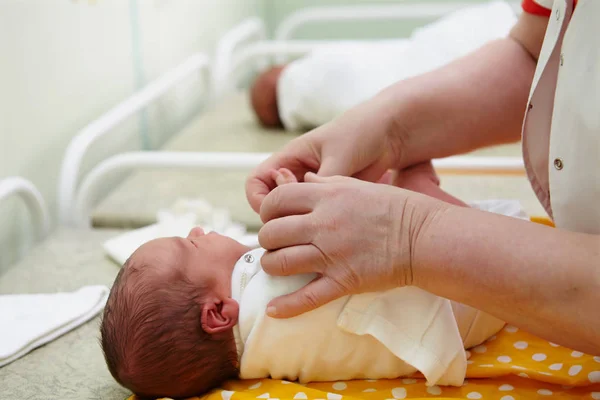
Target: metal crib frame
(242, 45)
(33, 200)
(71, 165)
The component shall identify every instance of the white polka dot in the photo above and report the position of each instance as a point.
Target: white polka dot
(370, 390)
(504, 359)
(434, 390)
(594, 376)
(575, 369)
(474, 395)
(505, 388)
(468, 354)
(264, 396)
(595, 395)
(340, 386)
(545, 392)
(480, 349)
(409, 381)
(545, 373)
(556, 367)
(597, 359)
(286, 382)
(226, 394)
(486, 365)
(255, 386)
(521, 345)
(518, 367)
(334, 396)
(507, 398)
(539, 357)
(399, 393)
(553, 344)
(511, 329)
(371, 380)
(522, 375)
(576, 354)
(300, 396)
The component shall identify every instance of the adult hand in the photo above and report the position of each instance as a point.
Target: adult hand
(357, 236)
(363, 143)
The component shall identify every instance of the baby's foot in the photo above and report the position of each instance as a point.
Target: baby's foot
(283, 176)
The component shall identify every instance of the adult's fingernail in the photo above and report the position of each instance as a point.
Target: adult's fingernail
(271, 311)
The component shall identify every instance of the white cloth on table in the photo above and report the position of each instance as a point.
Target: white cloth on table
(28, 321)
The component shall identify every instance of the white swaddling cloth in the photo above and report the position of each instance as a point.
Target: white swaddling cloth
(317, 88)
(369, 336)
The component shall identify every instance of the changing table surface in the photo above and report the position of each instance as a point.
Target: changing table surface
(72, 366)
(230, 125)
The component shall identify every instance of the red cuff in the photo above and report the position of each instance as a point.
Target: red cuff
(531, 7)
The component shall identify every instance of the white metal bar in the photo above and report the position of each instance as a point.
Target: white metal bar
(292, 23)
(480, 165)
(33, 200)
(156, 159)
(250, 29)
(76, 150)
(240, 161)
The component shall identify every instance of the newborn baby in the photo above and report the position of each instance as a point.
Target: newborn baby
(185, 315)
(331, 79)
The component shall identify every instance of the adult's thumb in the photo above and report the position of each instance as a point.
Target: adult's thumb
(314, 295)
(332, 166)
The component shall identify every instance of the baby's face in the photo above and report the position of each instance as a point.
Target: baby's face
(205, 259)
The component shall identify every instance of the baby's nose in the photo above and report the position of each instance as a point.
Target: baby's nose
(196, 232)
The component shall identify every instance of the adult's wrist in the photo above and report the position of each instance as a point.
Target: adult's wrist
(400, 104)
(413, 219)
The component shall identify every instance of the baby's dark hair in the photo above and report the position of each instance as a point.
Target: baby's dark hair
(152, 336)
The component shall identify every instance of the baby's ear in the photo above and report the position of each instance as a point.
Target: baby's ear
(219, 315)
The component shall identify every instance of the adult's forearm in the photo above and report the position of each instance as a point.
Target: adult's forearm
(473, 102)
(541, 279)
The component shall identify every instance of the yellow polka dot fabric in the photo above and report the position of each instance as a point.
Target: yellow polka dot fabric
(511, 365)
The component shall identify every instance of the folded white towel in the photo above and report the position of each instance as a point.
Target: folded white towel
(28, 321)
(184, 215)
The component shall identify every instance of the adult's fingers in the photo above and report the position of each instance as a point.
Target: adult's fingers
(284, 232)
(298, 156)
(290, 199)
(332, 165)
(317, 293)
(302, 259)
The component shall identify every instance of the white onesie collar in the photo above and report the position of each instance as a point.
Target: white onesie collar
(244, 270)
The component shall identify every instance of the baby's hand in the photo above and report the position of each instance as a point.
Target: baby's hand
(283, 176)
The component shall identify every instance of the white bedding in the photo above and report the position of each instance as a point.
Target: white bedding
(315, 89)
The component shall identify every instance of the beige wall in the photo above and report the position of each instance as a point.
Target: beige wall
(64, 62)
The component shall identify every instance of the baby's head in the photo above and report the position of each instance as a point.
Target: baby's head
(168, 324)
(263, 96)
